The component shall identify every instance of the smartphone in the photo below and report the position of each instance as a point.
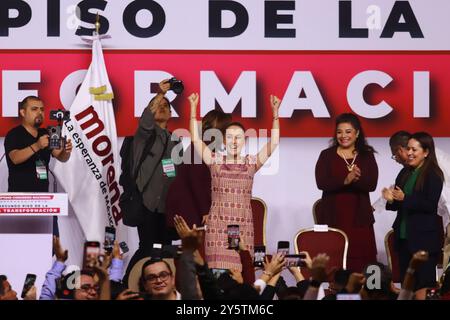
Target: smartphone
(28, 283)
(233, 236)
(91, 254)
(283, 247)
(260, 254)
(123, 247)
(295, 260)
(110, 237)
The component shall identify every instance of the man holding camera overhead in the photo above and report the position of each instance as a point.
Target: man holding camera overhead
(27, 150)
(155, 169)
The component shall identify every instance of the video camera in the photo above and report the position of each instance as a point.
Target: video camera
(56, 140)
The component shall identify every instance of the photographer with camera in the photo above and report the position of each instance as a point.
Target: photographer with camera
(27, 150)
(154, 169)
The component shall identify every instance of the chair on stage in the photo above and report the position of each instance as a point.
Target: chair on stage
(259, 209)
(392, 258)
(332, 241)
(315, 214)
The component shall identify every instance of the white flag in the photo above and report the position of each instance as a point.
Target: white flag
(91, 176)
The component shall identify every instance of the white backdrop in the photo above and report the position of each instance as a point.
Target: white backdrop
(289, 195)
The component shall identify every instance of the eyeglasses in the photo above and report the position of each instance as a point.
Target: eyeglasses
(394, 157)
(87, 287)
(153, 277)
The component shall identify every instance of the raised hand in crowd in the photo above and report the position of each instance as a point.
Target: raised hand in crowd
(419, 258)
(60, 253)
(100, 268)
(319, 267)
(129, 294)
(164, 86)
(116, 251)
(353, 176)
(31, 294)
(191, 239)
(355, 282)
(236, 275)
(296, 271)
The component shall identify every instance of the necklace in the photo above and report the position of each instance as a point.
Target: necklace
(350, 166)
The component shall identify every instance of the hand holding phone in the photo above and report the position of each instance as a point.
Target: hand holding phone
(110, 237)
(91, 254)
(295, 260)
(30, 279)
(260, 254)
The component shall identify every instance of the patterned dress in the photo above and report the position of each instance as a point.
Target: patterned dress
(231, 188)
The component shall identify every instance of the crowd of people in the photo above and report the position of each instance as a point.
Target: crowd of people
(216, 192)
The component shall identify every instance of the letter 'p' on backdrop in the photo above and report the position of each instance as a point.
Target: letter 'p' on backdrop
(387, 61)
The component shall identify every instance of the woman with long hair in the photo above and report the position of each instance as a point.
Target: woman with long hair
(231, 187)
(415, 197)
(346, 172)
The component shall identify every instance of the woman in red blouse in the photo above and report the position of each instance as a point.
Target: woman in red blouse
(346, 172)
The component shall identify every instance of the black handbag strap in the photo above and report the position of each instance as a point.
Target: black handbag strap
(154, 169)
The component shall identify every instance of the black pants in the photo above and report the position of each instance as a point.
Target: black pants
(152, 230)
(426, 274)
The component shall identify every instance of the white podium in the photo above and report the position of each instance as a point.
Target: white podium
(26, 230)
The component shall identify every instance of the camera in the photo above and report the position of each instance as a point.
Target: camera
(55, 140)
(176, 85)
(59, 115)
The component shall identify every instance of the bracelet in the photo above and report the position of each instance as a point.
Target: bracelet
(267, 273)
(275, 118)
(32, 148)
(410, 270)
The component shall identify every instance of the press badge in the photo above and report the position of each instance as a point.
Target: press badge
(41, 170)
(168, 168)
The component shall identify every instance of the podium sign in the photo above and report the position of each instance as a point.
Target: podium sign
(26, 230)
(33, 204)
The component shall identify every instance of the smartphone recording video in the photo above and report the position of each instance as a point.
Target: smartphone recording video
(295, 260)
(283, 247)
(91, 254)
(260, 254)
(233, 236)
(30, 279)
(110, 237)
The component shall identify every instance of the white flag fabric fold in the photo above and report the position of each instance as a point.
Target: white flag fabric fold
(91, 176)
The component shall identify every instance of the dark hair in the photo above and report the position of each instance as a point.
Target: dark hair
(430, 164)
(235, 124)
(24, 102)
(153, 99)
(361, 145)
(62, 289)
(292, 293)
(148, 263)
(399, 139)
(216, 119)
(2, 279)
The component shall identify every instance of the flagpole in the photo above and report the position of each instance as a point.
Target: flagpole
(97, 24)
